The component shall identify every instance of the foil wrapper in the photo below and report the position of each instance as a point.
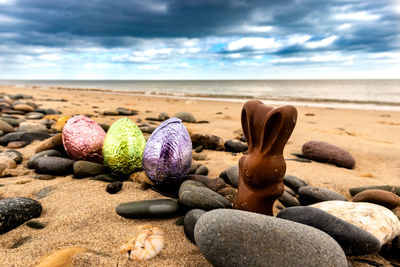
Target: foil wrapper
(83, 139)
(123, 147)
(168, 153)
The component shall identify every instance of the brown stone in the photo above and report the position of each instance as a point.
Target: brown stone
(5, 127)
(380, 197)
(50, 143)
(214, 184)
(327, 153)
(208, 141)
(16, 144)
(261, 171)
(23, 107)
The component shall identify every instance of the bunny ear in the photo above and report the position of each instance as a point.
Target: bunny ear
(278, 126)
(252, 114)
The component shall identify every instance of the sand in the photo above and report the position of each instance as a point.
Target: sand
(80, 213)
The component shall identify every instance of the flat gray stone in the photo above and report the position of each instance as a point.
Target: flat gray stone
(83, 168)
(46, 153)
(54, 165)
(196, 195)
(190, 221)
(233, 175)
(293, 182)
(228, 237)
(352, 239)
(288, 200)
(310, 194)
(155, 208)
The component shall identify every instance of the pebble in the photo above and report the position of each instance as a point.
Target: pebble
(35, 224)
(24, 108)
(83, 168)
(114, 187)
(33, 136)
(126, 112)
(288, 200)
(391, 188)
(199, 149)
(30, 127)
(310, 194)
(10, 137)
(239, 238)
(380, 197)
(53, 142)
(45, 153)
(16, 211)
(352, 239)
(34, 115)
(13, 154)
(105, 178)
(199, 157)
(194, 195)
(224, 176)
(293, 182)
(237, 147)
(185, 117)
(5, 127)
(190, 221)
(20, 242)
(201, 170)
(290, 190)
(54, 165)
(208, 141)
(16, 144)
(214, 184)
(327, 153)
(155, 208)
(43, 193)
(14, 122)
(163, 116)
(375, 219)
(193, 167)
(233, 175)
(44, 177)
(110, 113)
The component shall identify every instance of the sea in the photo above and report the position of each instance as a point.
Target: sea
(360, 94)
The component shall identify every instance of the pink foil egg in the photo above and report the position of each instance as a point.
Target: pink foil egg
(83, 139)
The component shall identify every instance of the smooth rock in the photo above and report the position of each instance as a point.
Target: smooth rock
(126, 112)
(33, 136)
(14, 122)
(288, 200)
(290, 191)
(53, 142)
(16, 211)
(13, 154)
(214, 184)
(44, 177)
(43, 193)
(105, 178)
(236, 147)
(45, 153)
(193, 167)
(16, 144)
(239, 238)
(380, 197)
(375, 219)
(199, 149)
(190, 221)
(35, 224)
(208, 141)
(310, 194)
(34, 115)
(5, 127)
(114, 187)
(54, 165)
(293, 182)
(196, 195)
(201, 170)
(30, 127)
(24, 108)
(352, 239)
(391, 188)
(83, 168)
(10, 137)
(155, 208)
(327, 153)
(233, 175)
(185, 116)
(163, 116)
(199, 157)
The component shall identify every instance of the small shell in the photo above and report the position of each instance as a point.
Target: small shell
(144, 246)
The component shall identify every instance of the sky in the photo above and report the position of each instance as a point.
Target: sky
(199, 39)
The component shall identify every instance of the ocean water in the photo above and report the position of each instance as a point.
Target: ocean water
(381, 94)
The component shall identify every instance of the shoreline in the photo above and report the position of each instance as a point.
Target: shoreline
(319, 103)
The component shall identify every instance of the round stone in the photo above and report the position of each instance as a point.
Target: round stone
(239, 238)
(190, 221)
(288, 200)
(83, 168)
(380, 197)
(201, 170)
(233, 175)
(114, 187)
(185, 116)
(54, 165)
(293, 182)
(196, 195)
(45, 153)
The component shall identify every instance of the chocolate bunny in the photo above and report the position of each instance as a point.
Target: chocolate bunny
(261, 171)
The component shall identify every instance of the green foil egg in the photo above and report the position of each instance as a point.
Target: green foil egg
(123, 147)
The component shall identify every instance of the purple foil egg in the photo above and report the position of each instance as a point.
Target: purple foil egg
(168, 153)
(83, 139)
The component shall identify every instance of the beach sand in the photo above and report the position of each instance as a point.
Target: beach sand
(80, 213)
